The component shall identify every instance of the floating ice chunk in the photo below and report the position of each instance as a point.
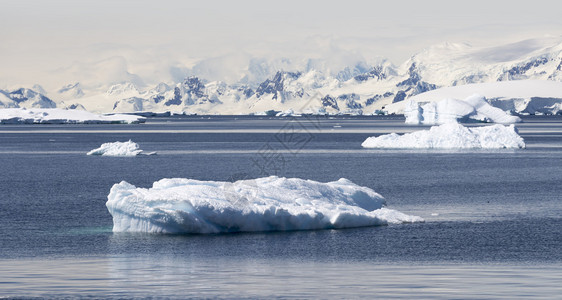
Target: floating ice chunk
(288, 113)
(128, 148)
(264, 204)
(474, 107)
(451, 135)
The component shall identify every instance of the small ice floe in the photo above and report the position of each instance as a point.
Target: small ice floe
(128, 148)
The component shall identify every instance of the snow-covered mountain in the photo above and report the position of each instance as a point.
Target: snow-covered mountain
(359, 88)
(455, 64)
(24, 98)
(70, 91)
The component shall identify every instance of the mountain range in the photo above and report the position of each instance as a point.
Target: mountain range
(356, 89)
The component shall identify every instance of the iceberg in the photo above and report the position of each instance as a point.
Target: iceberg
(128, 148)
(180, 205)
(451, 136)
(62, 116)
(473, 108)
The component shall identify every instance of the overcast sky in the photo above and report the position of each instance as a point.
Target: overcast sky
(37, 36)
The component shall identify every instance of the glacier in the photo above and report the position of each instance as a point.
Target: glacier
(451, 136)
(180, 205)
(62, 116)
(521, 97)
(128, 148)
(449, 110)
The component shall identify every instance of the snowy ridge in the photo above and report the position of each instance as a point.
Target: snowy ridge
(71, 91)
(451, 136)
(24, 98)
(265, 204)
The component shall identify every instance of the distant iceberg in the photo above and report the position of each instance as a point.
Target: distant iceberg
(473, 108)
(128, 148)
(264, 204)
(451, 136)
(62, 116)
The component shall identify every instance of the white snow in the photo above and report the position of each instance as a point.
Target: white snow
(273, 203)
(449, 110)
(128, 148)
(451, 136)
(6, 102)
(61, 116)
(288, 113)
(499, 89)
(516, 73)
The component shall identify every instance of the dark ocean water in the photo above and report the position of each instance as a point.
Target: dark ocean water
(492, 230)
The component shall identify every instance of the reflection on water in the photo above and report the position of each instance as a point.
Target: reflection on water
(178, 277)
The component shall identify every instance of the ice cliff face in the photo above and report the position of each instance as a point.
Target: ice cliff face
(472, 109)
(62, 116)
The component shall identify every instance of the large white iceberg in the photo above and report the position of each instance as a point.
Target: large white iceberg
(62, 116)
(474, 107)
(128, 148)
(265, 204)
(451, 136)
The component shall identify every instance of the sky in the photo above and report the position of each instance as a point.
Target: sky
(61, 41)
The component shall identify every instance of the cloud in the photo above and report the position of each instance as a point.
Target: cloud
(61, 41)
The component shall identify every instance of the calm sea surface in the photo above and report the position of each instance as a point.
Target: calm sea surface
(493, 218)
